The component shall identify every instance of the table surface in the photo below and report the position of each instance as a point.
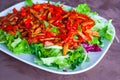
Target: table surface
(107, 69)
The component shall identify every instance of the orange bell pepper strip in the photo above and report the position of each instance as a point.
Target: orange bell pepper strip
(65, 49)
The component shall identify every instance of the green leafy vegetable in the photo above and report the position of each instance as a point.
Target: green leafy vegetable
(70, 61)
(103, 29)
(50, 60)
(54, 29)
(35, 49)
(83, 8)
(48, 0)
(9, 40)
(21, 47)
(61, 63)
(76, 37)
(79, 28)
(16, 42)
(46, 23)
(28, 2)
(2, 36)
(38, 61)
(76, 57)
(57, 3)
(109, 34)
(40, 51)
(95, 40)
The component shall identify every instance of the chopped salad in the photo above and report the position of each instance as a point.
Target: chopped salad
(57, 37)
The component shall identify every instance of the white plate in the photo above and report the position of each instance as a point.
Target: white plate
(95, 57)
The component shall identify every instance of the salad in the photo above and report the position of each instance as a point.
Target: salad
(58, 37)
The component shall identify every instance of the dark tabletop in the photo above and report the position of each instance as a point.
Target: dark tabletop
(107, 69)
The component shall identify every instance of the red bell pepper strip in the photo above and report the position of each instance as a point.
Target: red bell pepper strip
(28, 23)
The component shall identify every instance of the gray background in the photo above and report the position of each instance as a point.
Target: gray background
(107, 69)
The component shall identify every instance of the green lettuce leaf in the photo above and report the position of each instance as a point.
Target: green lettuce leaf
(109, 34)
(103, 29)
(95, 40)
(35, 49)
(54, 29)
(76, 57)
(2, 36)
(70, 61)
(59, 62)
(40, 51)
(20, 47)
(28, 2)
(85, 9)
(16, 42)
(9, 40)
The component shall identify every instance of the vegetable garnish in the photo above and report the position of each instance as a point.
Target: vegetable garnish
(57, 37)
(28, 2)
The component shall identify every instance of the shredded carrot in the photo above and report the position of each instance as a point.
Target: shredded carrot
(65, 49)
(93, 33)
